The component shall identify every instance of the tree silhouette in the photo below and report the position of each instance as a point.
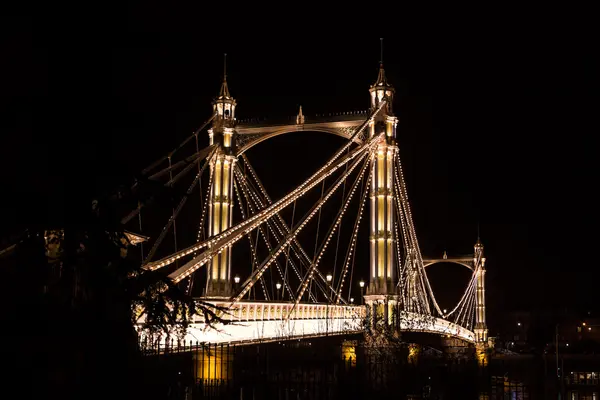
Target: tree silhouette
(71, 298)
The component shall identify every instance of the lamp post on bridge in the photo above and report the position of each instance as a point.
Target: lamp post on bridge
(329, 278)
(362, 289)
(237, 282)
(278, 286)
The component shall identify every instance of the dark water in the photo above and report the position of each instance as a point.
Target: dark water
(330, 369)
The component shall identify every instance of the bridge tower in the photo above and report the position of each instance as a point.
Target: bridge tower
(382, 298)
(222, 133)
(481, 331)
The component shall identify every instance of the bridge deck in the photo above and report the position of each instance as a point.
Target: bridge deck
(251, 322)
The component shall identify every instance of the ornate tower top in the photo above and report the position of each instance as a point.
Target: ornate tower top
(479, 251)
(382, 89)
(224, 104)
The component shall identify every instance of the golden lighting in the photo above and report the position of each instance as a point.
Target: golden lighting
(482, 356)
(215, 365)
(413, 353)
(349, 353)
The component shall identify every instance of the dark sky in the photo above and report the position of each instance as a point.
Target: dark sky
(497, 127)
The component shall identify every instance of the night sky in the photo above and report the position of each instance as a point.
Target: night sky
(496, 128)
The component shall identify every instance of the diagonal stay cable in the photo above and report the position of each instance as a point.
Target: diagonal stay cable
(314, 265)
(282, 225)
(271, 224)
(192, 160)
(299, 226)
(175, 213)
(253, 249)
(350, 253)
(172, 152)
(331, 166)
(263, 234)
(230, 236)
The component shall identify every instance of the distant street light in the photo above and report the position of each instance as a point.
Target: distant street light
(329, 277)
(445, 311)
(278, 286)
(351, 299)
(518, 324)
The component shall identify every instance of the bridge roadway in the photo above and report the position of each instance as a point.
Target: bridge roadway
(252, 322)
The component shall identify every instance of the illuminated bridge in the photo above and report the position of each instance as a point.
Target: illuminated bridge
(294, 287)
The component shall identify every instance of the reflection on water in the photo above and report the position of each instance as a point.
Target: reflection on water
(322, 369)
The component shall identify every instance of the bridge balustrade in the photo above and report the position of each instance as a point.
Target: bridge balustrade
(246, 311)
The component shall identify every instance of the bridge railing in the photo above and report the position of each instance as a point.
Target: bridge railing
(267, 311)
(309, 119)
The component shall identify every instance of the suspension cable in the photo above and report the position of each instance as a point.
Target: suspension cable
(287, 253)
(400, 178)
(338, 220)
(351, 253)
(252, 249)
(141, 231)
(196, 157)
(274, 226)
(174, 215)
(317, 232)
(231, 235)
(171, 153)
(299, 226)
(315, 262)
(174, 223)
(270, 224)
(337, 246)
(352, 244)
(281, 224)
(261, 231)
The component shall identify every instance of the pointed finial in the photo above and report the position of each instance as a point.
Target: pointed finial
(445, 256)
(381, 51)
(224, 88)
(300, 117)
(478, 243)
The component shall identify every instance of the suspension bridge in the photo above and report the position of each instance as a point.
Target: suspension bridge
(289, 291)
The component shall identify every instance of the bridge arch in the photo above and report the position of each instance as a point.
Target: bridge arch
(345, 133)
(464, 263)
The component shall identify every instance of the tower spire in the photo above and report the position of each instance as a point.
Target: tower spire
(381, 88)
(224, 93)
